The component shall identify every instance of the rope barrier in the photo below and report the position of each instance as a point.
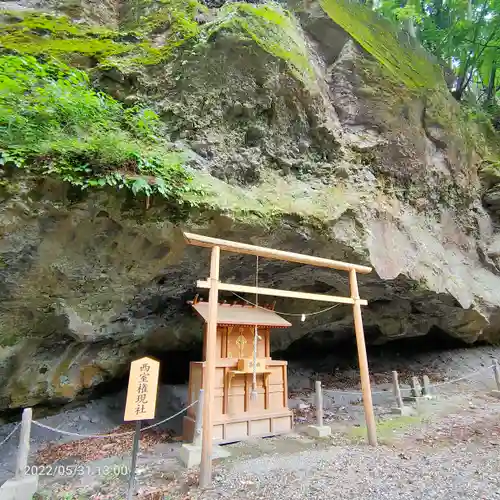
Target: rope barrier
(129, 433)
(119, 434)
(10, 435)
(462, 378)
(465, 377)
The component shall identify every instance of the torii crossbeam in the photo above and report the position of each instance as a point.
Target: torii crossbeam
(214, 286)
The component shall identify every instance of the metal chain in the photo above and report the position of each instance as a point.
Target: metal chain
(120, 434)
(10, 435)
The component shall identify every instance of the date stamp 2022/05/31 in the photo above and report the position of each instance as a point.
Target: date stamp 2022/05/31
(77, 470)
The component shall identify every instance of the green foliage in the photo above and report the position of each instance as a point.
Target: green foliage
(272, 28)
(401, 11)
(463, 33)
(379, 38)
(54, 123)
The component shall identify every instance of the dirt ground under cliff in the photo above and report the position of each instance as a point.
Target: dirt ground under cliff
(448, 449)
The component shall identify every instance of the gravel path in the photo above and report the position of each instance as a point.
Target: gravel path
(412, 468)
(453, 454)
(460, 472)
(449, 452)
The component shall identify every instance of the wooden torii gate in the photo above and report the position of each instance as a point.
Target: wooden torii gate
(214, 285)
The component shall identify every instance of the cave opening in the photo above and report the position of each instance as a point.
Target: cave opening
(174, 370)
(321, 352)
(174, 365)
(327, 350)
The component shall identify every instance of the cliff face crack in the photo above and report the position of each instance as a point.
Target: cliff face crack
(433, 132)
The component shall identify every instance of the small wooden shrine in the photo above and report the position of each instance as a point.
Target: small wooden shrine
(236, 414)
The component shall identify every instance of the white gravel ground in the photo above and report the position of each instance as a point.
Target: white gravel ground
(456, 463)
(455, 455)
(358, 473)
(450, 452)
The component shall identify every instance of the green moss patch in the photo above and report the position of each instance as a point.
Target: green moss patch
(178, 16)
(271, 28)
(35, 33)
(157, 35)
(378, 37)
(171, 22)
(389, 428)
(45, 35)
(26, 43)
(54, 25)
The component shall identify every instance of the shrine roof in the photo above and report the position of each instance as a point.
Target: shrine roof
(235, 314)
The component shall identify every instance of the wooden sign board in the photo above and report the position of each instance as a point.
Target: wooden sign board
(142, 389)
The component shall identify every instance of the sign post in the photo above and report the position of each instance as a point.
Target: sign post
(135, 451)
(141, 404)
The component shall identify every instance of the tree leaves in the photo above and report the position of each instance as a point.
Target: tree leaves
(463, 33)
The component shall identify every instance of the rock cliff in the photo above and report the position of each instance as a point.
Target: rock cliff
(311, 127)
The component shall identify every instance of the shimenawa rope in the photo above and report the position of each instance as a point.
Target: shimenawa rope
(303, 316)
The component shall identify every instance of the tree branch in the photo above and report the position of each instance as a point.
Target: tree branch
(484, 45)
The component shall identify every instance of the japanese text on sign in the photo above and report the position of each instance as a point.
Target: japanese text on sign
(142, 389)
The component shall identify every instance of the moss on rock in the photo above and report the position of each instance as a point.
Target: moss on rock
(271, 28)
(164, 27)
(179, 15)
(36, 34)
(153, 33)
(378, 37)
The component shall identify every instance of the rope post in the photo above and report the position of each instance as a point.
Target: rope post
(24, 443)
(319, 404)
(199, 419)
(427, 387)
(416, 388)
(400, 409)
(496, 371)
(319, 430)
(396, 389)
